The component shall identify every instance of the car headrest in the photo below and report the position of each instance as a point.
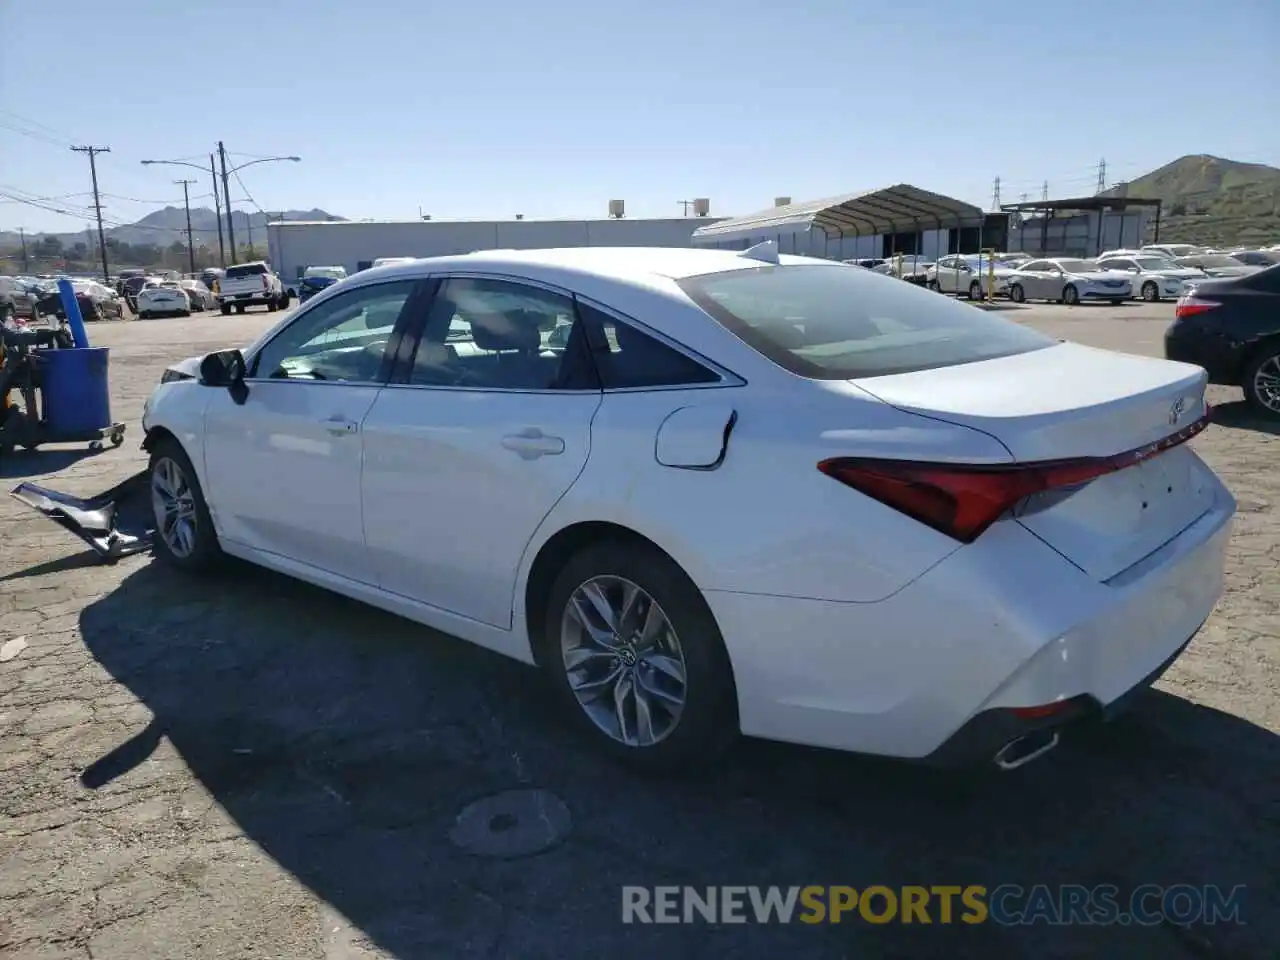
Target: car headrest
(515, 330)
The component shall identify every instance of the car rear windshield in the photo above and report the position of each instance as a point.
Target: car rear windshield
(838, 322)
(247, 270)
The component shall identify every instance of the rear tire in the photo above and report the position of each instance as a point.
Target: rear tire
(975, 291)
(1150, 292)
(184, 537)
(272, 306)
(226, 309)
(1070, 295)
(1017, 294)
(1261, 382)
(692, 716)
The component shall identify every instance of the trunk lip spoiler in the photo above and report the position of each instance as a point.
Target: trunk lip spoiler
(1115, 462)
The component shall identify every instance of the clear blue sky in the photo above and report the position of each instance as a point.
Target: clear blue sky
(486, 108)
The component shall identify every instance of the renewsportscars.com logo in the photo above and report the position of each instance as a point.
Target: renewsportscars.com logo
(1007, 904)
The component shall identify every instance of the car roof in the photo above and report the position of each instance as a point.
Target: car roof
(639, 265)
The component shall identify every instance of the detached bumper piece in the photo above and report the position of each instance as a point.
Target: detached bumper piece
(116, 523)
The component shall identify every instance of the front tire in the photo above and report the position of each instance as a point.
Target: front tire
(975, 291)
(1070, 295)
(1017, 294)
(637, 659)
(1262, 382)
(1150, 292)
(226, 309)
(184, 536)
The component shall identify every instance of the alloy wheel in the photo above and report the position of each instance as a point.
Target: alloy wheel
(1266, 383)
(623, 661)
(174, 506)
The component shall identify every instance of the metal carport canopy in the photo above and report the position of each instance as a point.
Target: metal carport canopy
(899, 209)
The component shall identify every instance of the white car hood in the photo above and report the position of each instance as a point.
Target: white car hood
(189, 366)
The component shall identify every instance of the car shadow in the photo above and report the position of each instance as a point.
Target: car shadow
(24, 464)
(344, 742)
(1240, 413)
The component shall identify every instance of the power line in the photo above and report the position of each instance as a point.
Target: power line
(97, 201)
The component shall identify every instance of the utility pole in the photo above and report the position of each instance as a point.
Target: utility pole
(217, 213)
(226, 198)
(1102, 175)
(186, 202)
(22, 238)
(995, 195)
(97, 202)
(686, 204)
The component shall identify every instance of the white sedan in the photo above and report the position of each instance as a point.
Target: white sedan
(1153, 278)
(740, 493)
(163, 298)
(1069, 281)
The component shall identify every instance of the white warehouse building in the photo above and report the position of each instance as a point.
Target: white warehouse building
(355, 244)
(901, 219)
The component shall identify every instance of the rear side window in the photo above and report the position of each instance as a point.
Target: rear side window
(836, 323)
(625, 357)
(247, 270)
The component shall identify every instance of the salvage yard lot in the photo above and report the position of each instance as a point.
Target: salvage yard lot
(250, 767)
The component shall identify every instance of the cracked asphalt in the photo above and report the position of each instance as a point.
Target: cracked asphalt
(248, 767)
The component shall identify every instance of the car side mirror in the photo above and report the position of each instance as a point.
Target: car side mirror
(226, 368)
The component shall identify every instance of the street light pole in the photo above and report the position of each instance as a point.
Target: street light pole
(226, 195)
(217, 213)
(186, 202)
(226, 190)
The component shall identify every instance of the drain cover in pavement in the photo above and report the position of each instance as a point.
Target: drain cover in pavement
(516, 823)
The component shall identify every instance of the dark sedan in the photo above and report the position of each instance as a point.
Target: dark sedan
(1232, 329)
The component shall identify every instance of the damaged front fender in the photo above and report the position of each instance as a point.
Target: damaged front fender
(116, 523)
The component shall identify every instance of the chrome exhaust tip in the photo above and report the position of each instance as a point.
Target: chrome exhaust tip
(1022, 750)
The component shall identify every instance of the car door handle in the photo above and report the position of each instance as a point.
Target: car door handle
(341, 427)
(532, 443)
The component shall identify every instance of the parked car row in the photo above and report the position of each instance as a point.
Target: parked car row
(1152, 273)
(34, 297)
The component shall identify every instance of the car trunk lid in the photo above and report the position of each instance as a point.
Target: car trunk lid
(1070, 402)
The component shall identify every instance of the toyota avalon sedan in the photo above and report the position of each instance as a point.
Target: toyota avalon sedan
(712, 493)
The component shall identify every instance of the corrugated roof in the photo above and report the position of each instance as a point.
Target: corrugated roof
(898, 209)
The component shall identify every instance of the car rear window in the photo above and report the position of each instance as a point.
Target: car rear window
(247, 270)
(838, 322)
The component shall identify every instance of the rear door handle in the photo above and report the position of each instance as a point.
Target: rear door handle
(531, 443)
(341, 427)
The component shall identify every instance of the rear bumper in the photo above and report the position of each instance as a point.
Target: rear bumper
(248, 299)
(1220, 357)
(933, 672)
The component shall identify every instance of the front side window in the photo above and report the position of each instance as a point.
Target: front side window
(831, 324)
(500, 335)
(344, 338)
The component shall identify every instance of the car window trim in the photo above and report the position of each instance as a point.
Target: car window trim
(389, 354)
(403, 366)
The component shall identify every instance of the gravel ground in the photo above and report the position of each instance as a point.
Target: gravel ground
(249, 767)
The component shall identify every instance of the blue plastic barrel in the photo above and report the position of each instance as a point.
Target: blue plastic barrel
(77, 396)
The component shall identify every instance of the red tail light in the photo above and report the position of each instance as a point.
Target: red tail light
(1189, 306)
(962, 500)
